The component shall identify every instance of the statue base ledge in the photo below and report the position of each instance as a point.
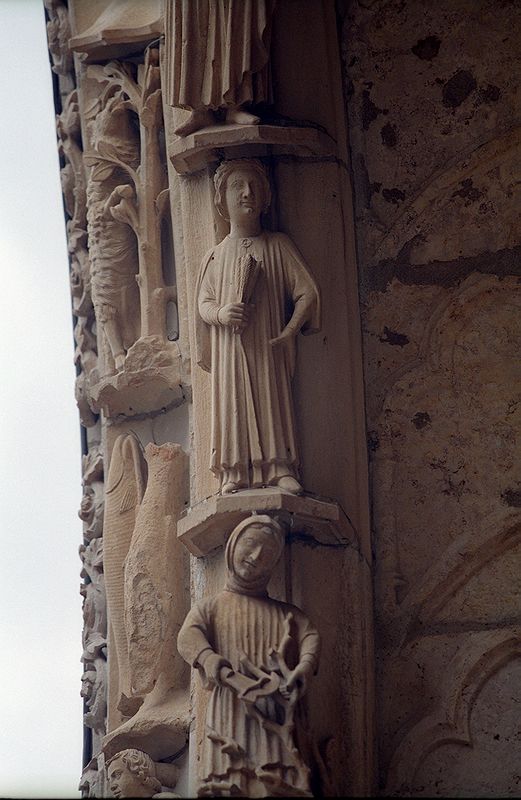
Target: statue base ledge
(194, 152)
(206, 526)
(161, 731)
(151, 380)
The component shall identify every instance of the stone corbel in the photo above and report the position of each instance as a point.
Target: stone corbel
(210, 145)
(205, 526)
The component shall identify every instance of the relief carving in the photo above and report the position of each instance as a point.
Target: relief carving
(254, 295)
(75, 201)
(256, 656)
(146, 571)
(218, 60)
(132, 773)
(58, 35)
(112, 242)
(94, 658)
(127, 205)
(125, 487)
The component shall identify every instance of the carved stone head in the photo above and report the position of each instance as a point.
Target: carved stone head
(252, 552)
(242, 188)
(132, 773)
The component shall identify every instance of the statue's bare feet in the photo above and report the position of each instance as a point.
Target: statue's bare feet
(289, 484)
(119, 361)
(236, 115)
(199, 118)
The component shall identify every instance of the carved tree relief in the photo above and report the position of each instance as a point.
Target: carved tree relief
(128, 198)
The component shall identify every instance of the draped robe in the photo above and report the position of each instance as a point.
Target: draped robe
(237, 749)
(253, 428)
(219, 52)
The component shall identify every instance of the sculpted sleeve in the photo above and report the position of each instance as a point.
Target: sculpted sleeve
(192, 640)
(302, 286)
(204, 293)
(309, 641)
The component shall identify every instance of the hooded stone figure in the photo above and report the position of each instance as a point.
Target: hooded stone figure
(255, 654)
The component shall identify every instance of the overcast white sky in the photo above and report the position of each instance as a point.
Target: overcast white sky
(40, 475)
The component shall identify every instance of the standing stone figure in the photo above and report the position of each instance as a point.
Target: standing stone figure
(254, 295)
(126, 482)
(219, 59)
(256, 656)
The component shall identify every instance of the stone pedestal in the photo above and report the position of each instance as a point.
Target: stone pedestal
(206, 525)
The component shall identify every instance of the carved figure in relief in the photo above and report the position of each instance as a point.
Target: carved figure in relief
(254, 294)
(219, 59)
(128, 202)
(94, 657)
(132, 773)
(112, 242)
(256, 656)
(124, 491)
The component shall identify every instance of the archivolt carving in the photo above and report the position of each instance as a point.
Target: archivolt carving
(462, 373)
(470, 553)
(496, 165)
(94, 657)
(94, 679)
(75, 199)
(450, 723)
(58, 35)
(127, 199)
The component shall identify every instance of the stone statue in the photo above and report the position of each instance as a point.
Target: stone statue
(219, 59)
(256, 656)
(112, 242)
(132, 773)
(254, 295)
(125, 487)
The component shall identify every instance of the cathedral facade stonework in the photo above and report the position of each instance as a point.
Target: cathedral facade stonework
(300, 552)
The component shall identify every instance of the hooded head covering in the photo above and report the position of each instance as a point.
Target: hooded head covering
(234, 582)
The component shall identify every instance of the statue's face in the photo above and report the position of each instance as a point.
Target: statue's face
(123, 783)
(244, 197)
(255, 554)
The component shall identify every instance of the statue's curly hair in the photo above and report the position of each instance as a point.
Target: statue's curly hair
(223, 172)
(141, 765)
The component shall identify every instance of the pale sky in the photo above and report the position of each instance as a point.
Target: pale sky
(40, 466)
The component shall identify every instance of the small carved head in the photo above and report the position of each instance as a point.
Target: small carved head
(253, 550)
(132, 773)
(242, 188)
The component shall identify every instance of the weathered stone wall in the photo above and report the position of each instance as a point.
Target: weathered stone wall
(433, 102)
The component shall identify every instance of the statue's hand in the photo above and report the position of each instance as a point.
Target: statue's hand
(236, 315)
(297, 679)
(212, 666)
(287, 337)
(288, 342)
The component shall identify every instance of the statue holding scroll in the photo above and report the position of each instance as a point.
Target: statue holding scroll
(254, 294)
(256, 656)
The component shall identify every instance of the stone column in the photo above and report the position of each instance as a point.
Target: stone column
(148, 218)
